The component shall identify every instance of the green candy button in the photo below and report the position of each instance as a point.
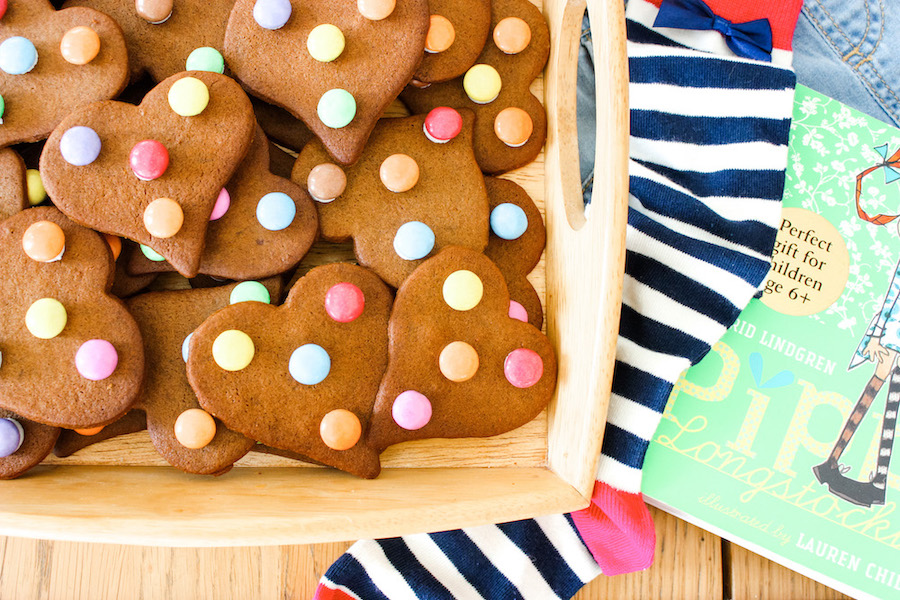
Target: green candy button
(205, 59)
(2, 108)
(249, 291)
(152, 254)
(336, 108)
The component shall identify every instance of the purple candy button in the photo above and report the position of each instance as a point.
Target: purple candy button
(79, 145)
(11, 437)
(96, 359)
(272, 14)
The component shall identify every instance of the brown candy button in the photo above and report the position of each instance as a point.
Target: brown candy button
(512, 35)
(376, 10)
(441, 34)
(399, 173)
(154, 11)
(513, 126)
(326, 182)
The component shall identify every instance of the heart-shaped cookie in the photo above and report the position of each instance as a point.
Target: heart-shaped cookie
(326, 62)
(302, 376)
(29, 442)
(80, 58)
(13, 197)
(455, 38)
(149, 172)
(459, 366)
(72, 355)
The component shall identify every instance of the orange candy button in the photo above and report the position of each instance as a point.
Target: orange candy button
(376, 10)
(440, 34)
(115, 244)
(163, 218)
(512, 35)
(44, 241)
(89, 431)
(340, 429)
(195, 428)
(513, 126)
(80, 45)
(458, 361)
(399, 173)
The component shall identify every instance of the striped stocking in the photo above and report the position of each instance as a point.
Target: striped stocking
(859, 411)
(888, 427)
(708, 144)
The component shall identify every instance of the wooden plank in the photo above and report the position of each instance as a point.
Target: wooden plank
(753, 577)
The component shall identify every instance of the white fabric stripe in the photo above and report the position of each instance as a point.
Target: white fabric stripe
(562, 536)
(665, 366)
(657, 306)
(708, 41)
(440, 566)
(707, 158)
(382, 572)
(512, 563)
(634, 418)
(727, 284)
(710, 102)
(334, 586)
(622, 477)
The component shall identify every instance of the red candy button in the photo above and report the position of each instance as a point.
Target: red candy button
(3, 5)
(523, 367)
(344, 302)
(149, 159)
(442, 124)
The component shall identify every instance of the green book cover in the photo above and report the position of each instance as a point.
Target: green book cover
(780, 439)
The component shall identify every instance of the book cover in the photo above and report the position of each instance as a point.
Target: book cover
(780, 439)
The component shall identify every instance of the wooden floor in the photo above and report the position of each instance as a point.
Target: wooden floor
(690, 564)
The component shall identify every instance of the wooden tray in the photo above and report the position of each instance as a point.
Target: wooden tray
(122, 492)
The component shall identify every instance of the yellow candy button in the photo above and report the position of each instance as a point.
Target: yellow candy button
(482, 84)
(463, 290)
(325, 42)
(46, 318)
(233, 350)
(35, 187)
(188, 96)
(195, 428)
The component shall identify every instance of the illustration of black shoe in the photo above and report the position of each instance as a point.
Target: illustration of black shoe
(856, 492)
(827, 472)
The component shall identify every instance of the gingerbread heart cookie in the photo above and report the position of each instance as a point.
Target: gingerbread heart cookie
(333, 65)
(23, 443)
(456, 36)
(510, 122)
(415, 189)
(262, 224)
(152, 172)
(459, 366)
(281, 126)
(13, 197)
(71, 354)
(302, 376)
(53, 62)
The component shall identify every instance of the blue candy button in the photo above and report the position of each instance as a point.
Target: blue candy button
(272, 14)
(17, 55)
(185, 345)
(79, 145)
(309, 364)
(413, 240)
(276, 211)
(508, 221)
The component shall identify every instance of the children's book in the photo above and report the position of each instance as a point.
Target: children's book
(780, 439)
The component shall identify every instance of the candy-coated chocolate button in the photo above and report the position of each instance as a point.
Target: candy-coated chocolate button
(309, 364)
(3, 6)
(336, 108)
(399, 173)
(205, 59)
(413, 240)
(151, 254)
(276, 211)
(2, 107)
(325, 42)
(223, 203)
(272, 14)
(233, 350)
(482, 84)
(148, 160)
(442, 124)
(186, 346)
(326, 182)
(96, 359)
(463, 290)
(89, 430)
(46, 318)
(513, 126)
(195, 428)
(517, 311)
(411, 410)
(508, 221)
(115, 244)
(376, 10)
(249, 291)
(344, 302)
(441, 34)
(154, 11)
(79, 145)
(17, 55)
(340, 429)
(34, 187)
(163, 218)
(523, 367)
(188, 96)
(44, 241)
(512, 35)
(80, 45)
(458, 361)
(12, 434)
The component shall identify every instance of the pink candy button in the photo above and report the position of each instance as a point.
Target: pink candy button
(442, 124)
(96, 359)
(223, 203)
(344, 302)
(517, 311)
(523, 367)
(411, 410)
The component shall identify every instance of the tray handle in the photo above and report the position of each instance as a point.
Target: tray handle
(585, 253)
